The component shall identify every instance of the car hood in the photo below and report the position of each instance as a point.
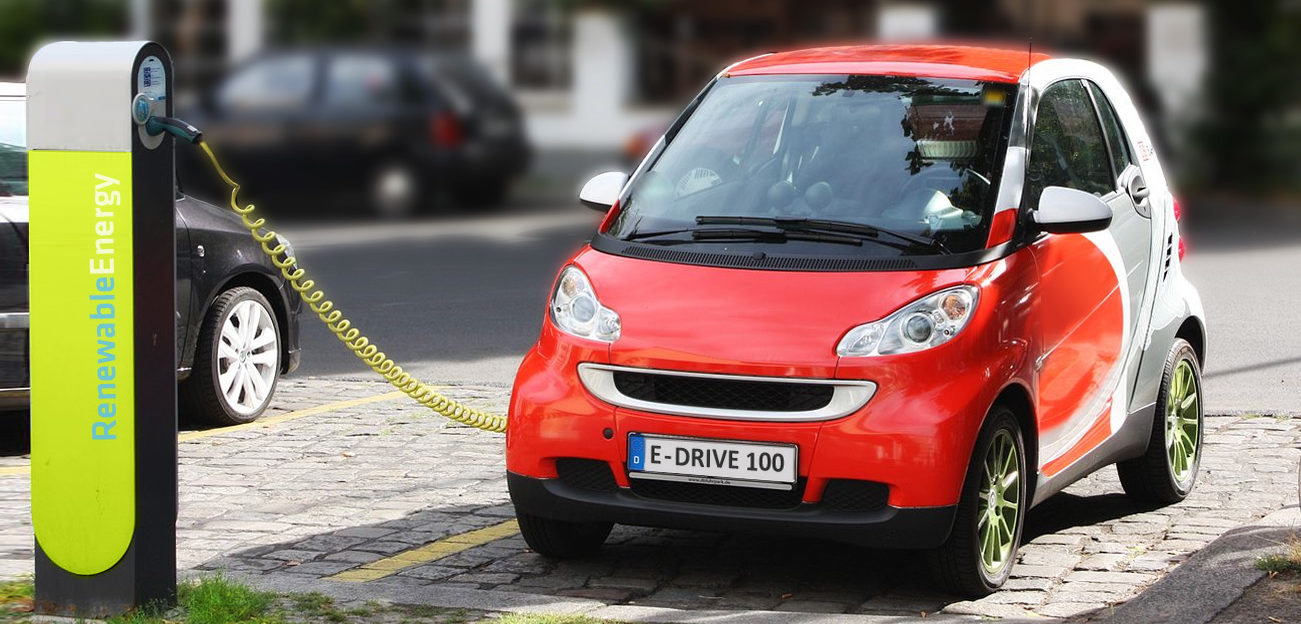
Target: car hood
(744, 321)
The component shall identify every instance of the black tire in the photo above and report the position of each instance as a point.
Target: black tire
(957, 564)
(1150, 478)
(200, 395)
(563, 540)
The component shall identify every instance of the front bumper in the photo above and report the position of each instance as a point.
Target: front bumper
(887, 527)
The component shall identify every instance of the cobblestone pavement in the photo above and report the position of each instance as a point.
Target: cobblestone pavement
(317, 495)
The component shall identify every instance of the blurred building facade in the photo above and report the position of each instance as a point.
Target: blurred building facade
(590, 73)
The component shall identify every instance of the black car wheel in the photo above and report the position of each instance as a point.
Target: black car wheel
(236, 361)
(1166, 473)
(978, 556)
(560, 539)
(396, 190)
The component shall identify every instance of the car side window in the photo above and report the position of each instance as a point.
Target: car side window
(1067, 148)
(360, 82)
(1121, 157)
(277, 83)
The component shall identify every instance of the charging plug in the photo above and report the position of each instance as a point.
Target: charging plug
(175, 127)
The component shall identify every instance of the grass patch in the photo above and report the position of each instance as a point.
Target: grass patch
(1286, 562)
(216, 600)
(16, 597)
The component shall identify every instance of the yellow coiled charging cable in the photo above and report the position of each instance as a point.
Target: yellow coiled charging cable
(350, 336)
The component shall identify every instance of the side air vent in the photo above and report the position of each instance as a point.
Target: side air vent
(1169, 254)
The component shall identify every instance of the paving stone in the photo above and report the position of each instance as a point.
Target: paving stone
(1103, 562)
(1067, 609)
(1127, 578)
(812, 606)
(604, 594)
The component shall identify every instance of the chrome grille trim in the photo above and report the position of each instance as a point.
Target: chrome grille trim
(848, 396)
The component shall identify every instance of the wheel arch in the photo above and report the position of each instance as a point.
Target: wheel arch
(1192, 331)
(1016, 397)
(265, 286)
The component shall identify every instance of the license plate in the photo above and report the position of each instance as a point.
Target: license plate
(718, 462)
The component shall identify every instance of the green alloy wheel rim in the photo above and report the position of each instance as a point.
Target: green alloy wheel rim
(999, 504)
(1182, 421)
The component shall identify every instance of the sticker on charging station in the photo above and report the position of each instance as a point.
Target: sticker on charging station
(82, 357)
(152, 79)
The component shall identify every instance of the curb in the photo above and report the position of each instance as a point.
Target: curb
(1212, 579)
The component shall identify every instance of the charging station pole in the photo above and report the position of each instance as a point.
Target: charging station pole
(103, 328)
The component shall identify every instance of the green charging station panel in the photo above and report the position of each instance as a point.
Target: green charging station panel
(83, 484)
(102, 273)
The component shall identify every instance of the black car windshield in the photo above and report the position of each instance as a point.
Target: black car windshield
(13, 146)
(917, 158)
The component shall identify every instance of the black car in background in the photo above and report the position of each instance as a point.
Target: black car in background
(236, 317)
(393, 126)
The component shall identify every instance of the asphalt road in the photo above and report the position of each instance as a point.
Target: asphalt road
(461, 299)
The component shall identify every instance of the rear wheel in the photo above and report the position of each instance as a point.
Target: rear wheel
(395, 190)
(1167, 471)
(978, 556)
(560, 539)
(236, 361)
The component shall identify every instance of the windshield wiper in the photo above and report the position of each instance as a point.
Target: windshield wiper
(763, 236)
(863, 230)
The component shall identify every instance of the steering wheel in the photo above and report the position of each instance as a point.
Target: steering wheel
(914, 181)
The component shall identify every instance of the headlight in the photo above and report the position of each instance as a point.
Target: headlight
(930, 321)
(575, 309)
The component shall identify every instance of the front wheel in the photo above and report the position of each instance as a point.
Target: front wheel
(560, 539)
(1166, 472)
(236, 361)
(978, 556)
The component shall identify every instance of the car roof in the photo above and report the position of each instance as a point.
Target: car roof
(13, 89)
(930, 61)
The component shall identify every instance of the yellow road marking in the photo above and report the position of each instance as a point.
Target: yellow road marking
(302, 413)
(11, 471)
(430, 552)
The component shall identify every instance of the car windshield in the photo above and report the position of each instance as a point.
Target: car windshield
(13, 147)
(918, 158)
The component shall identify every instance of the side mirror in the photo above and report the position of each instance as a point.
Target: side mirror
(602, 191)
(1070, 211)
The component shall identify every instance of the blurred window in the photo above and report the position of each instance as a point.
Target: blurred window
(360, 81)
(1068, 149)
(13, 146)
(1121, 157)
(540, 45)
(915, 155)
(276, 83)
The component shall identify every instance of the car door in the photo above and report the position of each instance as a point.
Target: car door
(258, 119)
(1081, 305)
(13, 306)
(1131, 226)
(184, 284)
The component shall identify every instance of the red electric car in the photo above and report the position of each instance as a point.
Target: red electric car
(892, 295)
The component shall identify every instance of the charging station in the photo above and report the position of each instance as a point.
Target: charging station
(103, 327)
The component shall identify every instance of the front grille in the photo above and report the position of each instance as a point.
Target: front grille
(586, 474)
(854, 495)
(747, 395)
(722, 495)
